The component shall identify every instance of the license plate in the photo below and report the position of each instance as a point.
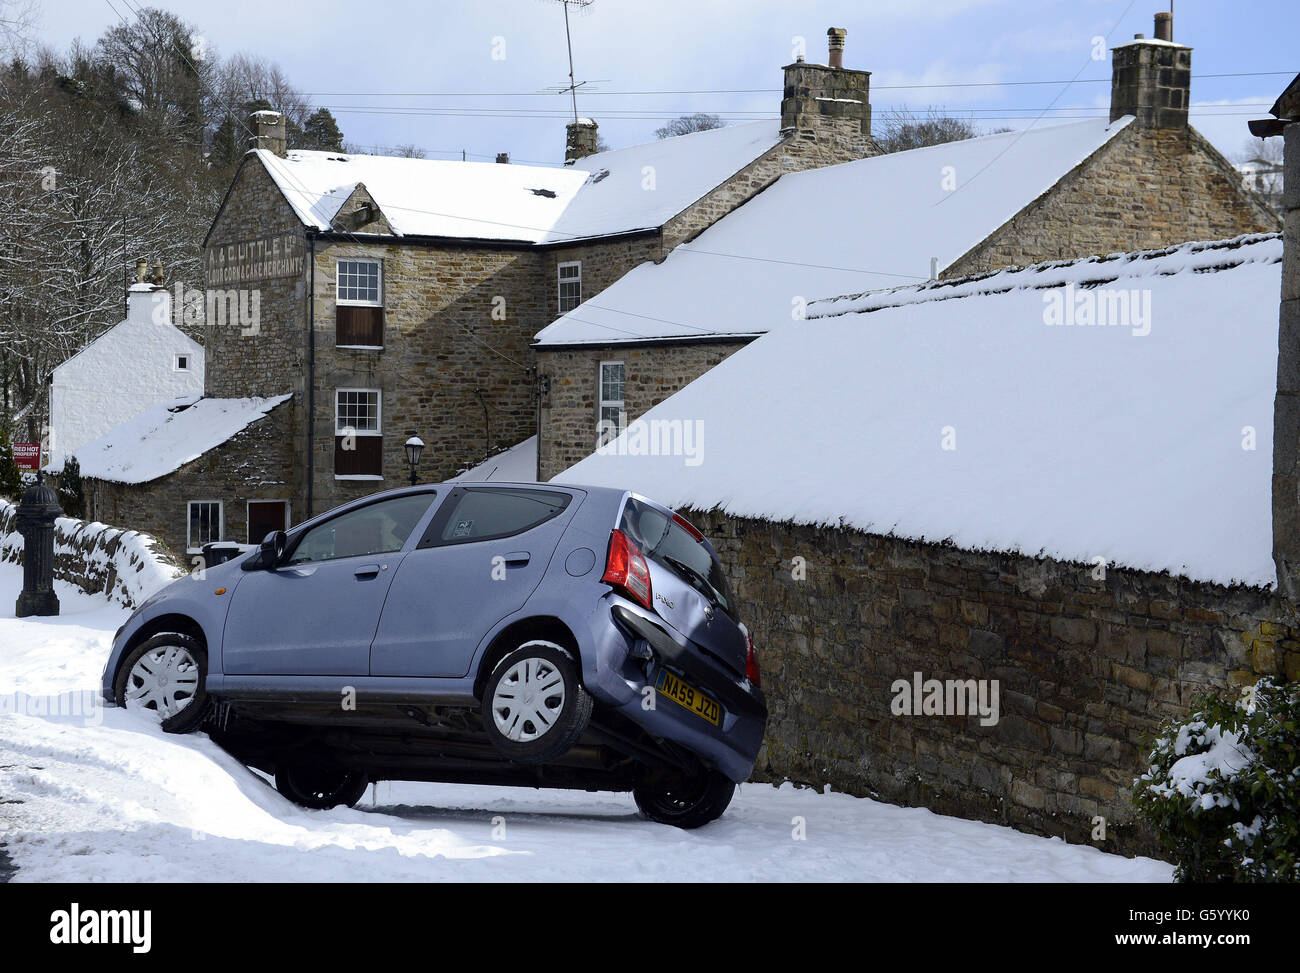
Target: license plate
(684, 694)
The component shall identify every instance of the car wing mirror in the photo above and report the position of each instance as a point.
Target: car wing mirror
(270, 555)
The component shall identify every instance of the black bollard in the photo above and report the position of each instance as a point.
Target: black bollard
(35, 521)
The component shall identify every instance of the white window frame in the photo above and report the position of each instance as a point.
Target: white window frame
(379, 414)
(338, 281)
(560, 281)
(288, 511)
(190, 547)
(603, 403)
(176, 362)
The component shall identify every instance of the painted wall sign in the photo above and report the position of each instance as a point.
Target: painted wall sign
(278, 255)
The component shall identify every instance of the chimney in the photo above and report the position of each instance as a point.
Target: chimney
(581, 141)
(503, 158)
(835, 44)
(1151, 79)
(268, 132)
(146, 302)
(827, 99)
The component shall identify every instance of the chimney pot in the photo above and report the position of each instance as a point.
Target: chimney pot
(1164, 26)
(141, 270)
(503, 158)
(835, 45)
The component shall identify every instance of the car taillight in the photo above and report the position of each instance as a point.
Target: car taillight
(687, 526)
(751, 663)
(626, 569)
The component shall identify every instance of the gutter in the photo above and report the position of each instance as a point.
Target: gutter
(311, 368)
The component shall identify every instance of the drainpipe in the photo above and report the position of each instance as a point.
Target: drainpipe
(311, 368)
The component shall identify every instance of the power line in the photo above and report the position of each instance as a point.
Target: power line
(748, 91)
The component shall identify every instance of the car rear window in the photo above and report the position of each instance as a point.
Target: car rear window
(480, 514)
(665, 541)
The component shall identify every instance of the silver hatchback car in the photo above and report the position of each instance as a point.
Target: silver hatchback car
(527, 634)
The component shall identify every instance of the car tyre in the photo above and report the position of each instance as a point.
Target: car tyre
(690, 804)
(166, 675)
(535, 707)
(320, 787)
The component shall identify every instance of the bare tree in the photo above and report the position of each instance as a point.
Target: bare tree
(17, 21)
(899, 129)
(686, 124)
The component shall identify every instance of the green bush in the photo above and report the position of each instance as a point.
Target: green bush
(11, 479)
(72, 496)
(1223, 787)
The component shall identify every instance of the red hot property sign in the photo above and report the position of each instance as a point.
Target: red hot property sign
(27, 456)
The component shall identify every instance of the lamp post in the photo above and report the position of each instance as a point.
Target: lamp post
(414, 447)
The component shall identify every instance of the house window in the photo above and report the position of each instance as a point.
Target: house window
(358, 435)
(570, 284)
(360, 282)
(182, 363)
(204, 524)
(612, 403)
(359, 305)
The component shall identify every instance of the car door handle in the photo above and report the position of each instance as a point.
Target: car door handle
(517, 557)
(367, 571)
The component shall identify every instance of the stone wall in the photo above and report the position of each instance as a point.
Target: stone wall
(1087, 670)
(254, 464)
(569, 414)
(1286, 406)
(124, 566)
(1146, 188)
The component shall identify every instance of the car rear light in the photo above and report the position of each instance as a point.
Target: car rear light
(627, 570)
(751, 663)
(687, 526)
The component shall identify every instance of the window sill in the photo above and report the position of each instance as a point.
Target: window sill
(371, 477)
(361, 347)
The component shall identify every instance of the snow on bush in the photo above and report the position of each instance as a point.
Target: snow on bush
(1223, 787)
(125, 566)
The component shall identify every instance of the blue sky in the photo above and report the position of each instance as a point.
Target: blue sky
(356, 58)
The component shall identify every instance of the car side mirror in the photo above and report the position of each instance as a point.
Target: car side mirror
(270, 554)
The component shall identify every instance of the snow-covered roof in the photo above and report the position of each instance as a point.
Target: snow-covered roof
(1151, 450)
(644, 186)
(620, 191)
(871, 223)
(518, 464)
(164, 437)
(428, 197)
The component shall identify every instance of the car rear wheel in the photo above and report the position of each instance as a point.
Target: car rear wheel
(165, 677)
(534, 705)
(320, 787)
(686, 804)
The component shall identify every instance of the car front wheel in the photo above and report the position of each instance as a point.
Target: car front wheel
(165, 677)
(534, 705)
(686, 804)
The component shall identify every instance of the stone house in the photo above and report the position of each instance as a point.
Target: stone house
(395, 297)
(1144, 179)
(143, 360)
(1053, 480)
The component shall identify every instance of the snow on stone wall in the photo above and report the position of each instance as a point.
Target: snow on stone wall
(125, 566)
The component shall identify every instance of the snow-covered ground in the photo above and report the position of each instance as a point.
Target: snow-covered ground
(105, 797)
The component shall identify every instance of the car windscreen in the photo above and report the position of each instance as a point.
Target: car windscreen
(673, 547)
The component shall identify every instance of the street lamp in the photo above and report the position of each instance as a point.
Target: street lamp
(414, 447)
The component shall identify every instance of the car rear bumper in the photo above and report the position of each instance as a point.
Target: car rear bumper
(631, 648)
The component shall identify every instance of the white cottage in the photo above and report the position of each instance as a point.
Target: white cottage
(142, 361)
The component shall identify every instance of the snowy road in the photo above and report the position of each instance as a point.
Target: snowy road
(102, 796)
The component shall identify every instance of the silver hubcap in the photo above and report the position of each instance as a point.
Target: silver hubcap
(528, 700)
(163, 680)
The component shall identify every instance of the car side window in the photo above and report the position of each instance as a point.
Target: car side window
(378, 528)
(479, 515)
